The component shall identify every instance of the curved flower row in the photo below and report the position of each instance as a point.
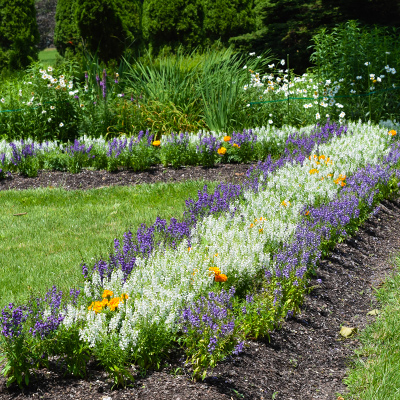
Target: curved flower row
(162, 282)
(272, 230)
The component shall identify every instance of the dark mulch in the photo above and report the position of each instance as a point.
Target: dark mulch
(89, 179)
(306, 359)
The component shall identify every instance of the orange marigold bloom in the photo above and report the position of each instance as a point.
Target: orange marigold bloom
(97, 306)
(124, 296)
(392, 132)
(113, 304)
(313, 171)
(261, 230)
(236, 145)
(222, 151)
(216, 270)
(156, 143)
(107, 293)
(307, 212)
(221, 278)
(227, 138)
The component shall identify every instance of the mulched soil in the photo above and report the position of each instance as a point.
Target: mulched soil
(89, 179)
(306, 359)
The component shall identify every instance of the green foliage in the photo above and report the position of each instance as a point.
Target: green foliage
(287, 26)
(349, 54)
(102, 28)
(224, 74)
(173, 23)
(19, 34)
(66, 35)
(40, 108)
(225, 18)
(114, 360)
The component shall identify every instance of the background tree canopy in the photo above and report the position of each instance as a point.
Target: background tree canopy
(109, 27)
(19, 34)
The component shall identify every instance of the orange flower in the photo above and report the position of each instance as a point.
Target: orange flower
(222, 151)
(107, 293)
(216, 270)
(285, 203)
(340, 179)
(251, 225)
(307, 212)
(156, 143)
(261, 230)
(189, 248)
(236, 145)
(124, 296)
(221, 278)
(97, 306)
(227, 138)
(313, 171)
(392, 132)
(113, 304)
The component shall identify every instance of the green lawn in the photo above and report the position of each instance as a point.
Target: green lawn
(48, 56)
(60, 228)
(376, 374)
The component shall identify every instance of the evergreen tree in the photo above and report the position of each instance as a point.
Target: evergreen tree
(19, 33)
(107, 27)
(173, 23)
(287, 26)
(224, 19)
(66, 35)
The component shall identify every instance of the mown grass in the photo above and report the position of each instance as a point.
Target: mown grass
(46, 245)
(48, 56)
(376, 373)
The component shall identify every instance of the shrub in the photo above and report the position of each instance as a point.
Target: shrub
(172, 23)
(66, 35)
(102, 27)
(19, 34)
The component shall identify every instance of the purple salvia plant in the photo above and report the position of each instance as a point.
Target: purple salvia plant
(78, 148)
(2, 162)
(246, 137)
(18, 156)
(208, 144)
(12, 320)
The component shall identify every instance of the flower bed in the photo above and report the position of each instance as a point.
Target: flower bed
(140, 152)
(232, 268)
